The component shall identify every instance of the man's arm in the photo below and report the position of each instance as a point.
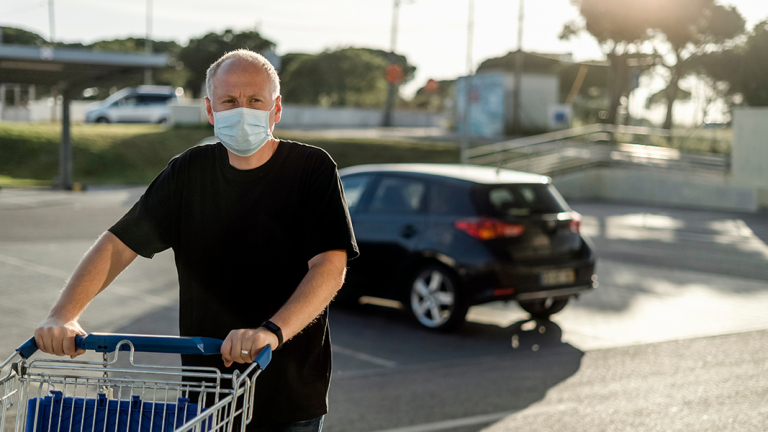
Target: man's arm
(316, 290)
(104, 261)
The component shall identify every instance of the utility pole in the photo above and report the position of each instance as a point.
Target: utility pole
(470, 34)
(464, 144)
(50, 21)
(395, 18)
(516, 126)
(392, 89)
(51, 38)
(148, 43)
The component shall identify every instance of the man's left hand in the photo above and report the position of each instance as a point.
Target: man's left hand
(242, 346)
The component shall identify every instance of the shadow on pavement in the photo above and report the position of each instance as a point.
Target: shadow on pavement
(665, 245)
(481, 369)
(163, 321)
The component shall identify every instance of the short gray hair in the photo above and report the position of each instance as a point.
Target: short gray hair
(249, 56)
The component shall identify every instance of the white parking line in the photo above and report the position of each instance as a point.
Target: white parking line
(364, 357)
(114, 289)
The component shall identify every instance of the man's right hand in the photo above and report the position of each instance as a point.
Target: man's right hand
(54, 336)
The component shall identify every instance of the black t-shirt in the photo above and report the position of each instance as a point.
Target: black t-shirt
(242, 240)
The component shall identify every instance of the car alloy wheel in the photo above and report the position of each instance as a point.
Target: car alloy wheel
(434, 299)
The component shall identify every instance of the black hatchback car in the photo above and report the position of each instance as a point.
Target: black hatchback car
(441, 238)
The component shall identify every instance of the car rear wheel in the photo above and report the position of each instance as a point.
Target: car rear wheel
(543, 308)
(435, 300)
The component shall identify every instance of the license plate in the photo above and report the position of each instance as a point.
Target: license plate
(557, 277)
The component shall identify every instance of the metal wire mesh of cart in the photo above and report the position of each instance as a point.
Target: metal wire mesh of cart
(54, 395)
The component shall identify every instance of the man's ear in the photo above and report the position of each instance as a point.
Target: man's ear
(278, 108)
(209, 109)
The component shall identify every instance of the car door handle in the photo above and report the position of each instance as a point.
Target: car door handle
(408, 231)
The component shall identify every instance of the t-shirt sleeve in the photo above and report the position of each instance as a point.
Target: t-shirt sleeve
(330, 227)
(148, 227)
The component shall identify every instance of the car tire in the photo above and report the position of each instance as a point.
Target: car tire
(543, 308)
(434, 298)
(102, 120)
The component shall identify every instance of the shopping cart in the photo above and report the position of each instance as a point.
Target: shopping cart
(55, 395)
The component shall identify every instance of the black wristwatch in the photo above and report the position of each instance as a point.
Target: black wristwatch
(269, 325)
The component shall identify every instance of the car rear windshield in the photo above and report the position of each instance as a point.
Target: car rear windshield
(519, 200)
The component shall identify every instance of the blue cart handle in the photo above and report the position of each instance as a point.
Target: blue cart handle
(107, 342)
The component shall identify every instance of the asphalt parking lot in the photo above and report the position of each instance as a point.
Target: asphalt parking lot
(678, 321)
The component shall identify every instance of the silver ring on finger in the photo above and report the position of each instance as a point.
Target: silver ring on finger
(244, 352)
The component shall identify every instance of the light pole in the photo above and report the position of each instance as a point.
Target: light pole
(148, 43)
(50, 20)
(516, 126)
(392, 88)
(470, 34)
(464, 144)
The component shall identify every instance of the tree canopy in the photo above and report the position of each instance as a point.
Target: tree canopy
(620, 27)
(344, 77)
(743, 68)
(686, 30)
(644, 33)
(200, 53)
(17, 36)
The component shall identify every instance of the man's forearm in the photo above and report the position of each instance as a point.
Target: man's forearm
(101, 265)
(316, 290)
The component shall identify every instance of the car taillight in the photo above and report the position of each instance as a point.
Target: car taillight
(487, 229)
(575, 224)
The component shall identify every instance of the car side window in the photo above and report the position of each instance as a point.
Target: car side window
(396, 195)
(354, 187)
(449, 200)
(153, 99)
(127, 102)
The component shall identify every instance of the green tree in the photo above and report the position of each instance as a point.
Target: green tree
(620, 27)
(200, 53)
(436, 99)
(345, 77)
(684, 31)
(17, 36)
(742, 68)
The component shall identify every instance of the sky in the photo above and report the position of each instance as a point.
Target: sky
(432, 34)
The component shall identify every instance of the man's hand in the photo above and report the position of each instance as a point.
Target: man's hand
(242, 346)
(54, 336)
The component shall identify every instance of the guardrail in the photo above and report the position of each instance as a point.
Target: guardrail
(608, 145)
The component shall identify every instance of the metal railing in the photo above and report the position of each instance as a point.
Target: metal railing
(608, 145)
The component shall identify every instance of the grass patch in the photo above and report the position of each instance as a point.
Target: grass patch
(6, 181)
(135, 154)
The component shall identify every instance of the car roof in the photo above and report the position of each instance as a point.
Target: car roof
(471, 173)
(154, 89)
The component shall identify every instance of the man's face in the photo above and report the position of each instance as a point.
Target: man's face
(242, 84)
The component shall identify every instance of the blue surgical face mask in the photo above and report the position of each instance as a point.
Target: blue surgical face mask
(243, 131)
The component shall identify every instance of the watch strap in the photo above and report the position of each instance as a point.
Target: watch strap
(274, 328)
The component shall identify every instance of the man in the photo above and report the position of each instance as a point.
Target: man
(261, 237)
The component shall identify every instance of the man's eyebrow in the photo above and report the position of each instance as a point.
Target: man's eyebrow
(254, 95)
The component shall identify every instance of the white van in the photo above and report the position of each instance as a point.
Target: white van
(142, 104)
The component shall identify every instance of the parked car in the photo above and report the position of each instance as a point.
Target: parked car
(142, 104)
(441, 238)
